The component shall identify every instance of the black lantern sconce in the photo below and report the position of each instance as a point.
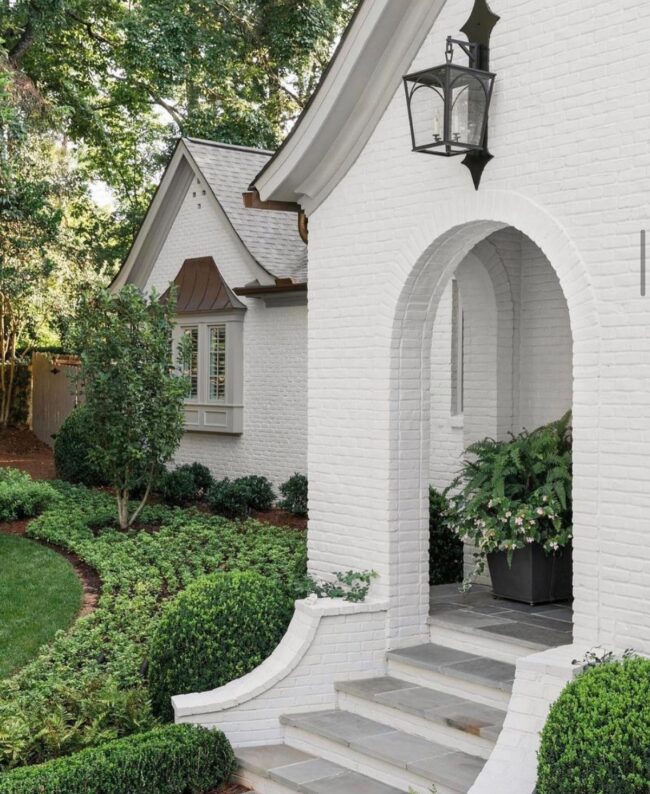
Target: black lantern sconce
(448, 105)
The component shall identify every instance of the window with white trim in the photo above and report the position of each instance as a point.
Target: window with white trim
(214, 366)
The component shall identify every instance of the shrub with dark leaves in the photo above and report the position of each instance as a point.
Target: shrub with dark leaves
(294, 495)
(445, 547)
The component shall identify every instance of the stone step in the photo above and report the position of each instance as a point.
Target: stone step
(275, 768)
(479, 678)
(496, 638)
(381, 752)
(455, 721)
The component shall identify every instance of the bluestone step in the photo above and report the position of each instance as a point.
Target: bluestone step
(459, 665)
(302, 772)
(434, 762)
(431, 705)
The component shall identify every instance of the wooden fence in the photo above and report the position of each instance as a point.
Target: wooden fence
(54, 394)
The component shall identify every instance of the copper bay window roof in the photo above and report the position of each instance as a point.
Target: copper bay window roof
(200, 288)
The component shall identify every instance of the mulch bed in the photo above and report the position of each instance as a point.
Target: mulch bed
(280, 518)
(21, 449)
(232, 788)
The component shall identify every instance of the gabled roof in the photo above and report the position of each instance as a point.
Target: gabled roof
(377, 48)
(271, 238)
(201, 288)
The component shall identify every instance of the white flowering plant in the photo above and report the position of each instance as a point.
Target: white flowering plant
(513, 493)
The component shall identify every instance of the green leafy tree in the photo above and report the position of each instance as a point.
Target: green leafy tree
(134, 395)
(127, 78)
(48, 232)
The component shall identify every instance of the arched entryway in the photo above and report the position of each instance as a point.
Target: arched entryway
(482, 244)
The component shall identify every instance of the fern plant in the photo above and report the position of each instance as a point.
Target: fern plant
(513, 493)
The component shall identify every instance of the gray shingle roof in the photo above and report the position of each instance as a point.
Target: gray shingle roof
(271, 237)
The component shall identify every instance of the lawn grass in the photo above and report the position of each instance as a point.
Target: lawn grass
(40, 593)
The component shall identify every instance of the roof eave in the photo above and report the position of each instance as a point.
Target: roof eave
(377, 49)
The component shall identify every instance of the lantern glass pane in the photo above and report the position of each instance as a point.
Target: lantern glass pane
(427, 109)
(468, 100)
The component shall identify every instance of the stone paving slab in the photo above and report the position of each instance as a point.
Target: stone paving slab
(420, 701)
(399, 748)
(456, 770)
(435, 762)
(538, 636)
(307, 774)
(429, 704)
(350, 783)
(263, 758)
(340, 726)
(457, 664)
(478, 612)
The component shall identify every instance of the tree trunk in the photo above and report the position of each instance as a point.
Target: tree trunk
(123, 508)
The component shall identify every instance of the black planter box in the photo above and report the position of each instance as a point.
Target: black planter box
(534, 577)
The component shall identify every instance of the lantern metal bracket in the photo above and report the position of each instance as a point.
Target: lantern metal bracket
(478, 30)
(470, 49)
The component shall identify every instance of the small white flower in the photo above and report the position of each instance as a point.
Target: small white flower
(508, 514)
(540, 511)
(519, 521)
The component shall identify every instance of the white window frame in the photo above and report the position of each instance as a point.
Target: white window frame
(215, 415)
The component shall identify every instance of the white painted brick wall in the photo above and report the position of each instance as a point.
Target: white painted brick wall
(327, 641)
(539, 680)
(565, 177)
(274, 441)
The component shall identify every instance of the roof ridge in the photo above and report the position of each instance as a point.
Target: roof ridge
(220, 145)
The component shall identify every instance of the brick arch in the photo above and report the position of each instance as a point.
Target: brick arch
(457, 229)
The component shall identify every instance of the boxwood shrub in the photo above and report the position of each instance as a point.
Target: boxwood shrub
(294, 495)
(221, 627)
(228, 498)
(236, 498)
(22, 497)
(170, 760)
(597, 736)
(71, 450)
(260, 492)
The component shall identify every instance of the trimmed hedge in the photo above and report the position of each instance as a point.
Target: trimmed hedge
(71, 450)
(597, 736)
(220, 628)
(22, 497)
(171, 760)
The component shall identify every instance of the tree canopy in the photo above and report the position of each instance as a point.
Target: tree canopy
(126, 78)
(95, 92)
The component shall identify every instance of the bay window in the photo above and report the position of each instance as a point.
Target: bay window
(214, 366)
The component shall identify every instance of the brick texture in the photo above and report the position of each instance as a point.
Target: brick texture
(274, 441)
(382, 249)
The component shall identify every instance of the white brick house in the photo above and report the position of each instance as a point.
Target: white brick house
(542, 261)
(247, 413)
